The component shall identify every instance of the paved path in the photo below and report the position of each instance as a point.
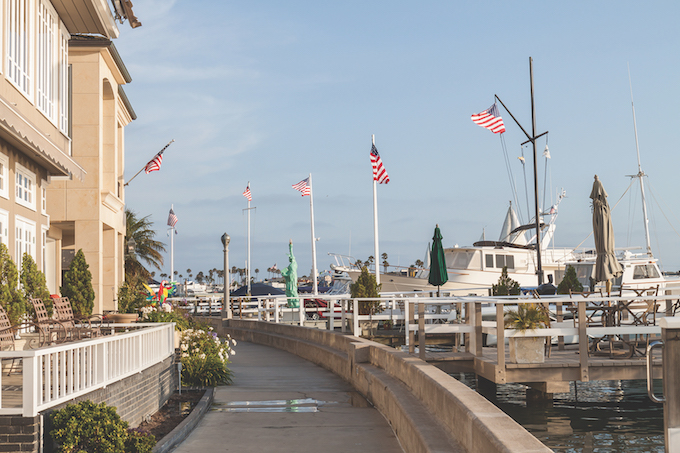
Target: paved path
(280, 402)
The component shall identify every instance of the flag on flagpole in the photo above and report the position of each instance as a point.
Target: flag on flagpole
(303, 187)
(490, 119)
(172, 218)
(274, 267)
(379, 172)
(247, 194)
(155, 163)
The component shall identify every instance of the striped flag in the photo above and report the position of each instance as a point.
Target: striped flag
(247, 194)
(379, 172)
(155, 163)
(490, 119)
(303, 187)
(172, 218)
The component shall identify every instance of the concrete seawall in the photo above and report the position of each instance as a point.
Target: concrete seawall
(429, 410)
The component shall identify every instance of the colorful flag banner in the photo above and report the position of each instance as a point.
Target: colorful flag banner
(247, 194)
(379, 172)
(490, 119)
(172, 218)
(303, 187)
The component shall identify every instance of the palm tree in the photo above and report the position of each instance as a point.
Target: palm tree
(385, 263)
(257, 271)
(147, 250)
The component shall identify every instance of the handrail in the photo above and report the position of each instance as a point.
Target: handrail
(650, 378)
(56, 374)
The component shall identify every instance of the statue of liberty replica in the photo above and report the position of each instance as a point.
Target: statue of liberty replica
(290, 275)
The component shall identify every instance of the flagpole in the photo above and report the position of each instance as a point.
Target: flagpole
(375, 225)
(159, 152)
(311, 214)
(172, 247)
(248, 267)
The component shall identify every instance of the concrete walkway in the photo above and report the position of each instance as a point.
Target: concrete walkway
(280, 402)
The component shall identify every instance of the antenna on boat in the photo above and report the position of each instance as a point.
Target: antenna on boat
(640, 173)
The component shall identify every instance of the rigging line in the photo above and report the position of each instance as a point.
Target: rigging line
(662, 211)
(545, 170)
(508, 168)
(526, 188)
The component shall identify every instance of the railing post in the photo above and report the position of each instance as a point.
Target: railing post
(421, 330)
(582, 341)
(276, 311)
(301, 312)
(411, 335)
(267, 317)
(478, 339)
(31, 385)
(331, 315)
(407, 324)
(670, 335)
(500, 340)
(355, 317)
(343, 315)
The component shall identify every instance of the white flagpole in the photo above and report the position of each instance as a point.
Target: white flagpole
(376, 255)
(248, 263)
(311, 214)
(172, 247)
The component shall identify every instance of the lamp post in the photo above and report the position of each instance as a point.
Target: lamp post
(131, 245)
(226, 306)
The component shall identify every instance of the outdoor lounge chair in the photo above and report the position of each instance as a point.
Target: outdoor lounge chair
(79, 327)
(50, 329)
(8, 333)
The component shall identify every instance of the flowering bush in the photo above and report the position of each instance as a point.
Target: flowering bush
(205, 358)
(182, 320)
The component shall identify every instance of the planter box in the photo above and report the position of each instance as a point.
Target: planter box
(527, 349)
(125, 318)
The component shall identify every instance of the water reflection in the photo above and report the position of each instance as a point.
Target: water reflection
(598, 416)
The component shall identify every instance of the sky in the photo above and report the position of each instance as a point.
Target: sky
(268, 92)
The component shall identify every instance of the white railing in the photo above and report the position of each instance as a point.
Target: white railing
(56, 374)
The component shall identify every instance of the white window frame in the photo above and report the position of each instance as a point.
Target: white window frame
(4, 227)
(24, 187)
(43, 247)
(24, 238)
(4, 176)
(64, 82)
(43, 197)
(46, 56)
(19, 36)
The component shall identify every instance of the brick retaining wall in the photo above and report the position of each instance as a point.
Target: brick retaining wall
(135, 398)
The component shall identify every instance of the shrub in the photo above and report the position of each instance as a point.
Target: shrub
(527, 317)
(182, 321)
(506, 286)
(570, 282)
(139, 441)
(365, 287)
(11, 298)
(34, 285)
(77, 286)
(88, 427)
(130, 298)
(205, 358)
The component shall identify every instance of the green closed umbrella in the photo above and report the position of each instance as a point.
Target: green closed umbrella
(438, 274)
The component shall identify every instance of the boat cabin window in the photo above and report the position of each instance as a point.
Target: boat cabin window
(645, 271)
(464, 259)
(505, 260)
(501, 261)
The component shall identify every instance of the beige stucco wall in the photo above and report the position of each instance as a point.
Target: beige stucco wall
(92, 211)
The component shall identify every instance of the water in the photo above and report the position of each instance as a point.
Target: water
(598, 416)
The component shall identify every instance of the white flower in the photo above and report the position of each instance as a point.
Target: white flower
(233, 342)
(232, 352)
(184, 346)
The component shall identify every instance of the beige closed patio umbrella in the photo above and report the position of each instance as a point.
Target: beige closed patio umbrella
(607, 266)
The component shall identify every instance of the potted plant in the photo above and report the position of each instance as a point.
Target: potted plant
(527, 317)
(363, 288)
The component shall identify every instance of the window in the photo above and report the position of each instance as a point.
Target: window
(4, 164)
(489, 261)
(500, 261)
(24, 239)
(43, 197)
(64, 82)
(45, 58)
(25, 187)
(19, 44)
(645, 271)
(4, 228)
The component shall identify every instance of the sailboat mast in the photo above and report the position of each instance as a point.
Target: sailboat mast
(640, 174)
(539, 267)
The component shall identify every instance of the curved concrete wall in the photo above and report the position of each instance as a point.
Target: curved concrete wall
(428, 409)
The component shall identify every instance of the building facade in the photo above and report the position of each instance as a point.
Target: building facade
(62, 114)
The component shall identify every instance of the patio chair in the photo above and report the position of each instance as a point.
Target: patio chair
(51, 330)
(79, 327)
(8, 333)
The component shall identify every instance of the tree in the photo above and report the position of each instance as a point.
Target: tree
(366, 287)
(384, 262)
(257, 271)
(419, 264)
(200, 278)
(77, 285)
(570, 282)
(33, 284)
(189, 273)
(147, 250)
(10, 297)
(506, 286)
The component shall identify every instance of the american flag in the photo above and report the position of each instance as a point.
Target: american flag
(154, 164)
(490, 119)
(379, 172)
(303, 186)
(247, 194)
(172, 218)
